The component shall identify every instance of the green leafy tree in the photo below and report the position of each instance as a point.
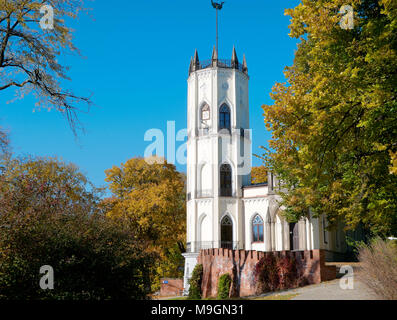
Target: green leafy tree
(334, 123)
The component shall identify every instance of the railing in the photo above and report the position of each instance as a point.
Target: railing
(204, 193)
(226, 192)
(196, 246)
(203, 132)
(222, 63)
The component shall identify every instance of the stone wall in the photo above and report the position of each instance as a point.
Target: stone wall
(171, 287)
(240, 264)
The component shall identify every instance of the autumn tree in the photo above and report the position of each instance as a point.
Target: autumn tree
(334, 123)
(31, 43)
(49, 215)
(150, 196)
(258, 174)
(4, 142)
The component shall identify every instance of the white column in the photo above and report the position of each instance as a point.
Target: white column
(308, 235)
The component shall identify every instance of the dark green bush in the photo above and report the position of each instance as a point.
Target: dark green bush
(195, 283)
(48, 216)
(224, 286)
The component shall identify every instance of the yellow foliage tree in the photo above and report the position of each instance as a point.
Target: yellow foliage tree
(151, 198)
(258, 175)
(334, 123)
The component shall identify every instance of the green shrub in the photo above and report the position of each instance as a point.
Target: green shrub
(224, 286)
(195, 283)
(49, 216)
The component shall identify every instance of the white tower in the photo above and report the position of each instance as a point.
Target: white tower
(218, 155)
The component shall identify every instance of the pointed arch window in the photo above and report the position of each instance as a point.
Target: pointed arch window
(226, 180)
(224, 117)
(227, 232)
(257, 228)
(205, 112)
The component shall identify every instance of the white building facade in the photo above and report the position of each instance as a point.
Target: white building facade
(223, 209)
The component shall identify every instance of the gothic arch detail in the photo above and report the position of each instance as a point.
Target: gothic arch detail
(205, 112)
(227, 228)
(258, 228)
(225, 179)
(224, 117)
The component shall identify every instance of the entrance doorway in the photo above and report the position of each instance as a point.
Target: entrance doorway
(227, 233)
(294, 236)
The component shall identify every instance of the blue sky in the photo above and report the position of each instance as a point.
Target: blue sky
(135, 62)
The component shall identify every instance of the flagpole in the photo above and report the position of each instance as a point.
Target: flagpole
(217, 7)
(217, 31)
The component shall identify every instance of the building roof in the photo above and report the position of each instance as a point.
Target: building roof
(256, 185)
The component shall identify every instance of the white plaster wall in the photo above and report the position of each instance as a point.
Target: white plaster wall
(204, 223)
(251, 208)
(208, 150)
(261, 191)
(206, 177)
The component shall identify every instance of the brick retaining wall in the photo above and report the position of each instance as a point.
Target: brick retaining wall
(171, 287)
(311, 268)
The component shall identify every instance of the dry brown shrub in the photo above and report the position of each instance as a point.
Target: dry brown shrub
(379, 268)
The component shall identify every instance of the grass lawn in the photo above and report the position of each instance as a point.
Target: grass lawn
(287, 296)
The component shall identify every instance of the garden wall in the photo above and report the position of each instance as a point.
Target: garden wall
(240, 264)
(171, 287)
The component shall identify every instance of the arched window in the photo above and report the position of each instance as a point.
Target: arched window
(226, 180)
(205, 112)
(257, 228)
(227, 232)
(224, 117)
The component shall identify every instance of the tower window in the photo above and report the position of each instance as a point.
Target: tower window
(226, 180)
(227, 233)
(224, 117)
(205, 112)
(257, 228)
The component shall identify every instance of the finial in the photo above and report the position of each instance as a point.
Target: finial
(196, 58)
(196, 61)
(245, 67)
(214, 57)
(234, 59)
(214, 54)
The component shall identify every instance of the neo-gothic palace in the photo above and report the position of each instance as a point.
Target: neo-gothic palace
(223, 209)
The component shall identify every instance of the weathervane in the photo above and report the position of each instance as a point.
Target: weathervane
(217, 6)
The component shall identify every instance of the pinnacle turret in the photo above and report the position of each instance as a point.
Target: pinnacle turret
(214, 57)
(234, 59)
(245, 67)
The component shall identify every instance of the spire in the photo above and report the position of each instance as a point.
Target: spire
(214, 57)
(234, 59)
(196, 61)
(214, 54)
(245, 68)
